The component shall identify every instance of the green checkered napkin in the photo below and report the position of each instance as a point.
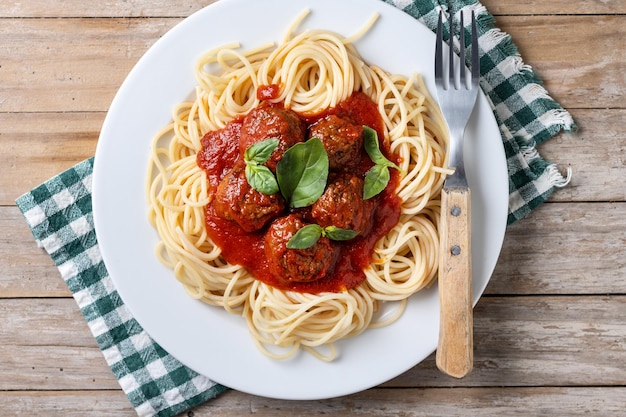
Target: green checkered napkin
(525, 113)
(60, 217)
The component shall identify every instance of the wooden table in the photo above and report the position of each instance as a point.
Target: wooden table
(550, 332)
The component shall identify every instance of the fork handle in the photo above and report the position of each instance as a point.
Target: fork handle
(455, 354)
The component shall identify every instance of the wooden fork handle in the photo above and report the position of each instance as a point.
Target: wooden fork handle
(455, 355)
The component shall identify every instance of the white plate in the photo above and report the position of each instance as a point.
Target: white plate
(207, 339)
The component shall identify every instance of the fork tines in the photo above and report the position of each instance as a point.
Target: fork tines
(456, 96)
(474, 59)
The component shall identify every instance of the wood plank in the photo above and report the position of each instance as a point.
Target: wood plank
(589, 77)
(596, 155)
(521, 341)
(94, 8)
(152, 8)
(46, 368)
(37, 353)
(36, 146)
(66, 404)
(99, 53)
(539, 341)
(432, 402)
(559, 249)
(571, 402)
(25, 269)
(554, 7)
(537, 254)
(71, 64)
(564, 249)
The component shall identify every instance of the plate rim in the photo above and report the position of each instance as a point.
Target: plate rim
(99, 207)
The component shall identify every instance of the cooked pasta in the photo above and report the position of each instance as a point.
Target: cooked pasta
(316, 70)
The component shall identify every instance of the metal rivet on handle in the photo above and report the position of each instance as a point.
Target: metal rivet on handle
(455, 211)
(455, 250)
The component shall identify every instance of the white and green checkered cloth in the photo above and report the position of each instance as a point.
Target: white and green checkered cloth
(60, 216)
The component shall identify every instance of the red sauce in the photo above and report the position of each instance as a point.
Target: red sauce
(247, 249)
(220, 151)
(268, 92)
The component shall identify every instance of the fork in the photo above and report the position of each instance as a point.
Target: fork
(455, 347)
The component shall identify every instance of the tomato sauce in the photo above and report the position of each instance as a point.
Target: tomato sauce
(268, 92)
(219, 153)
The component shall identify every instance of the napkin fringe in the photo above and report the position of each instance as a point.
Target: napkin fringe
(555, 177)
(556, 119)
(514, 64)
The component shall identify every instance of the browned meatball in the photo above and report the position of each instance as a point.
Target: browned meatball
(237, 201)
(296, 265)
(219, 152)
(272, 122)
(342, 204)
(342, 140)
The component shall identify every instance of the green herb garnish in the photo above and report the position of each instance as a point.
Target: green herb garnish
(302, 173)
(258, 175)
(378, 176)
(311, 233)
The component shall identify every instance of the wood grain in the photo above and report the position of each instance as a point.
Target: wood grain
(71, 65)
(26, 270)
(66, 403)
(487, 402)
(549, 333)
(455, 349)
(113, 8)
(561, 249)
(98, 53)
(36, 146)
(578, 77)
(575, 248)
(434, 402)
(555, 7)
(154, 8)
(519, 341)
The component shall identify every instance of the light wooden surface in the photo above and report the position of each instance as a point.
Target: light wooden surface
(550, 332)
(455, 347)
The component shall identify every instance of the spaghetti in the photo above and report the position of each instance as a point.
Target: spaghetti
(316, 70)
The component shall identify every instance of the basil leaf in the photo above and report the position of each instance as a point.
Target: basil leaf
(337, 233)
(311, 233)
(305, 237)
(372, 147)
(260, 152)
(302, 173)
(375, 181)
(378, 176)
(261, 179)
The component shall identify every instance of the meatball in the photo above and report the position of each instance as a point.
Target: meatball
(342, 204)
(342, 140)
(296, 265)
(219, 152)
(237, 201)
(272, 122)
